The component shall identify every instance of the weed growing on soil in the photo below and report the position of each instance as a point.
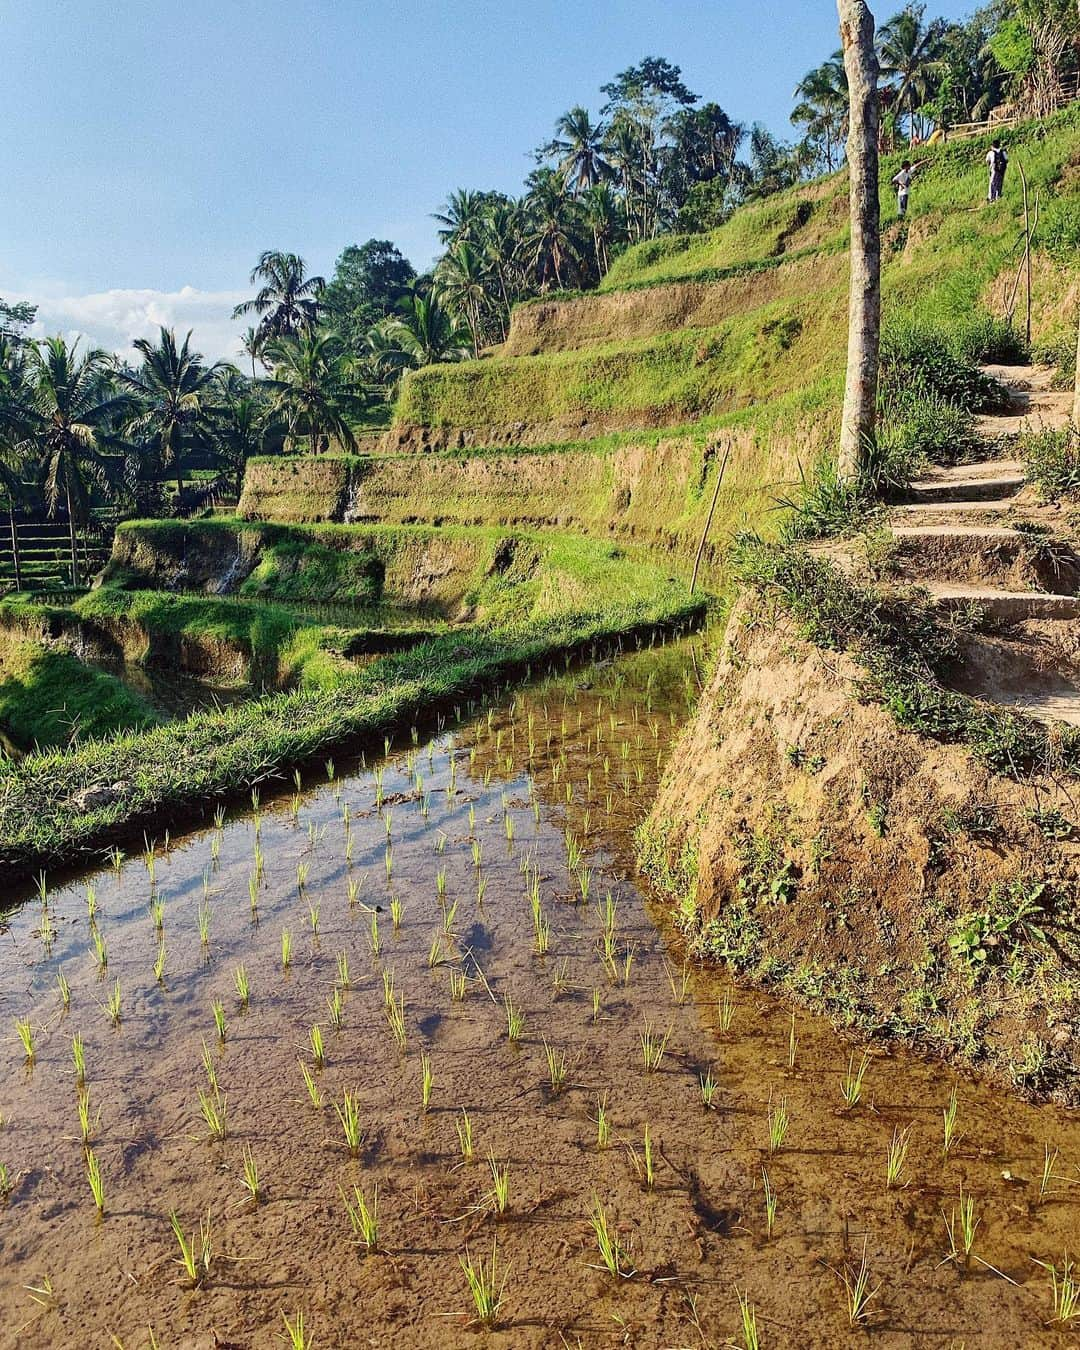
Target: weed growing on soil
(297, 1337)
(465, 1135)
(500, 1186)
(251, 1175)
(213, 1109)
(349, 1115)
(777, 1120)
(314, 1095)
(896, 1157)
(851, 1085)
(95, 1181)
(484, 1284)
(25, 1033)
(612, 1253)
(364, 1218)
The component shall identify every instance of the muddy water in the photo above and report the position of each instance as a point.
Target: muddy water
(698, 1233)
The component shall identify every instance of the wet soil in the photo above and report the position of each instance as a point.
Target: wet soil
(570, 765)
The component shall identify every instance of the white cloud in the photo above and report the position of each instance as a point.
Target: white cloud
(113, 319)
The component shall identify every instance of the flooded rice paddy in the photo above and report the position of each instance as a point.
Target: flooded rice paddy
(462, 924)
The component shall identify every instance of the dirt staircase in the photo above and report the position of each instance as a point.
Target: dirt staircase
(976, 534)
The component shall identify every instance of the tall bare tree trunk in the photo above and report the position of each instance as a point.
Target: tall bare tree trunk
(864, 306)
(71, 535)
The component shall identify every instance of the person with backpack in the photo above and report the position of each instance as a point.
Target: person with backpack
(997, 161)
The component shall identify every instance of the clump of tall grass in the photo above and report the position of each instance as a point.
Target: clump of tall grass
(485, 1285)
(196, 1252)
(364, 1217)
(348, 1113)
(896, 1156)
(613, 1254)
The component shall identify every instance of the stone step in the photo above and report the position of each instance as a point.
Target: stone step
(981, 468)
(968, 488)
(1005, 606)
(915, 511)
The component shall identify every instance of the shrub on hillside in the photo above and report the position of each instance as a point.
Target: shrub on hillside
(920, 358)
(1053, 460)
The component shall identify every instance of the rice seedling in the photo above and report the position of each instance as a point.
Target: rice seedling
(395, 1016)
(215, 850)
(653, 1047)
(896, 1156)
(330, 770)
(210, 1068)
(484, 1284)
(596, 998)
(343, 970)
(354, 885)
(78, 1055)
(387, 987)
(857, 1291)
(25, 1033)
(213, 1109)
(748, 1320)
(961, 1226)
(151, 864)
(777, 1120)
(157, 912)
(427, 1079)
(435, 952)
(508, 823)
(680, 987)
(222, 1027)
(313, 919)
(440, 842)
(612, 1253)
(373, 935)
(515, 1019)
(708, 1086)
(1047, 1177)
(86, 1125)
(725, 1012)
(851, 1085)
(481, 889)
(465, 1135)
(95, 1181)
(258, 859)
(477, 849)
(459, 984)
(603, 1123)
(389, 862)
(303, 870)
(557, 1068)
(364, 1217)
(204, 916)
(1064, 1290)
(397, 909)
(388, 821)
(113, 1004)
(337, 1009)
(6, 1183)
(318, 1048)
(348, 1113)
(793, 1043)
(560, 977)
(101, 951)
(91, 905)
(196, 1252)
(770, 1203)
(949, 1122)
(500, 1186)
(541, 934)
(250, 1175)
(65, 989)
(314, 1095)
(286, 949)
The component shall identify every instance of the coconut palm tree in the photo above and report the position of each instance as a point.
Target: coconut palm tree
(908, 51)
(823, 104)
(551, 242)
(422, 331)
(288, 299)
(463, 215)
(307, 387)
(464, 283)
(17, 422)
(74, 405)
(600, 216)
(579, 149)
(172, 395)
(239, 423)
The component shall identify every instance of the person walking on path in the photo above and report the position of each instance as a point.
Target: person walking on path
(902, 183)
(997, 161)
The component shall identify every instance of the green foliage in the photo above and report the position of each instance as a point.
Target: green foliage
(1053, 462)
(995, 935)
(938, 364)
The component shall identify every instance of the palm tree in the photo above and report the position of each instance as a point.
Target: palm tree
(823, 103)
(16, 424)
(551, 243)
(504, 224)
(624, 149)
(463, 282)
(908, 50)
(240, 422)
(579, 145)
(307, 387)
(288, 299)
(463, 215)
(422, 331)
(74, 405)
(600, 215)
(251, 345)
(172, 394)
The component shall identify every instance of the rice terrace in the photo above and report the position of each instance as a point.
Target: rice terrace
(539, 790)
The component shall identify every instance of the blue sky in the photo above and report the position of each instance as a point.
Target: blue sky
(152, 149)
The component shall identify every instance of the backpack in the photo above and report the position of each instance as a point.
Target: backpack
(1000, 160)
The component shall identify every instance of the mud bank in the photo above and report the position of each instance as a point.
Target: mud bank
(886, 878)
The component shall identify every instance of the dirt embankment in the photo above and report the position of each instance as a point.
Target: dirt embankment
(561, 325)
(887, 879)
(413, 438)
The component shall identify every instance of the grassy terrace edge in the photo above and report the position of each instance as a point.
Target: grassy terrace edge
(66, 803)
